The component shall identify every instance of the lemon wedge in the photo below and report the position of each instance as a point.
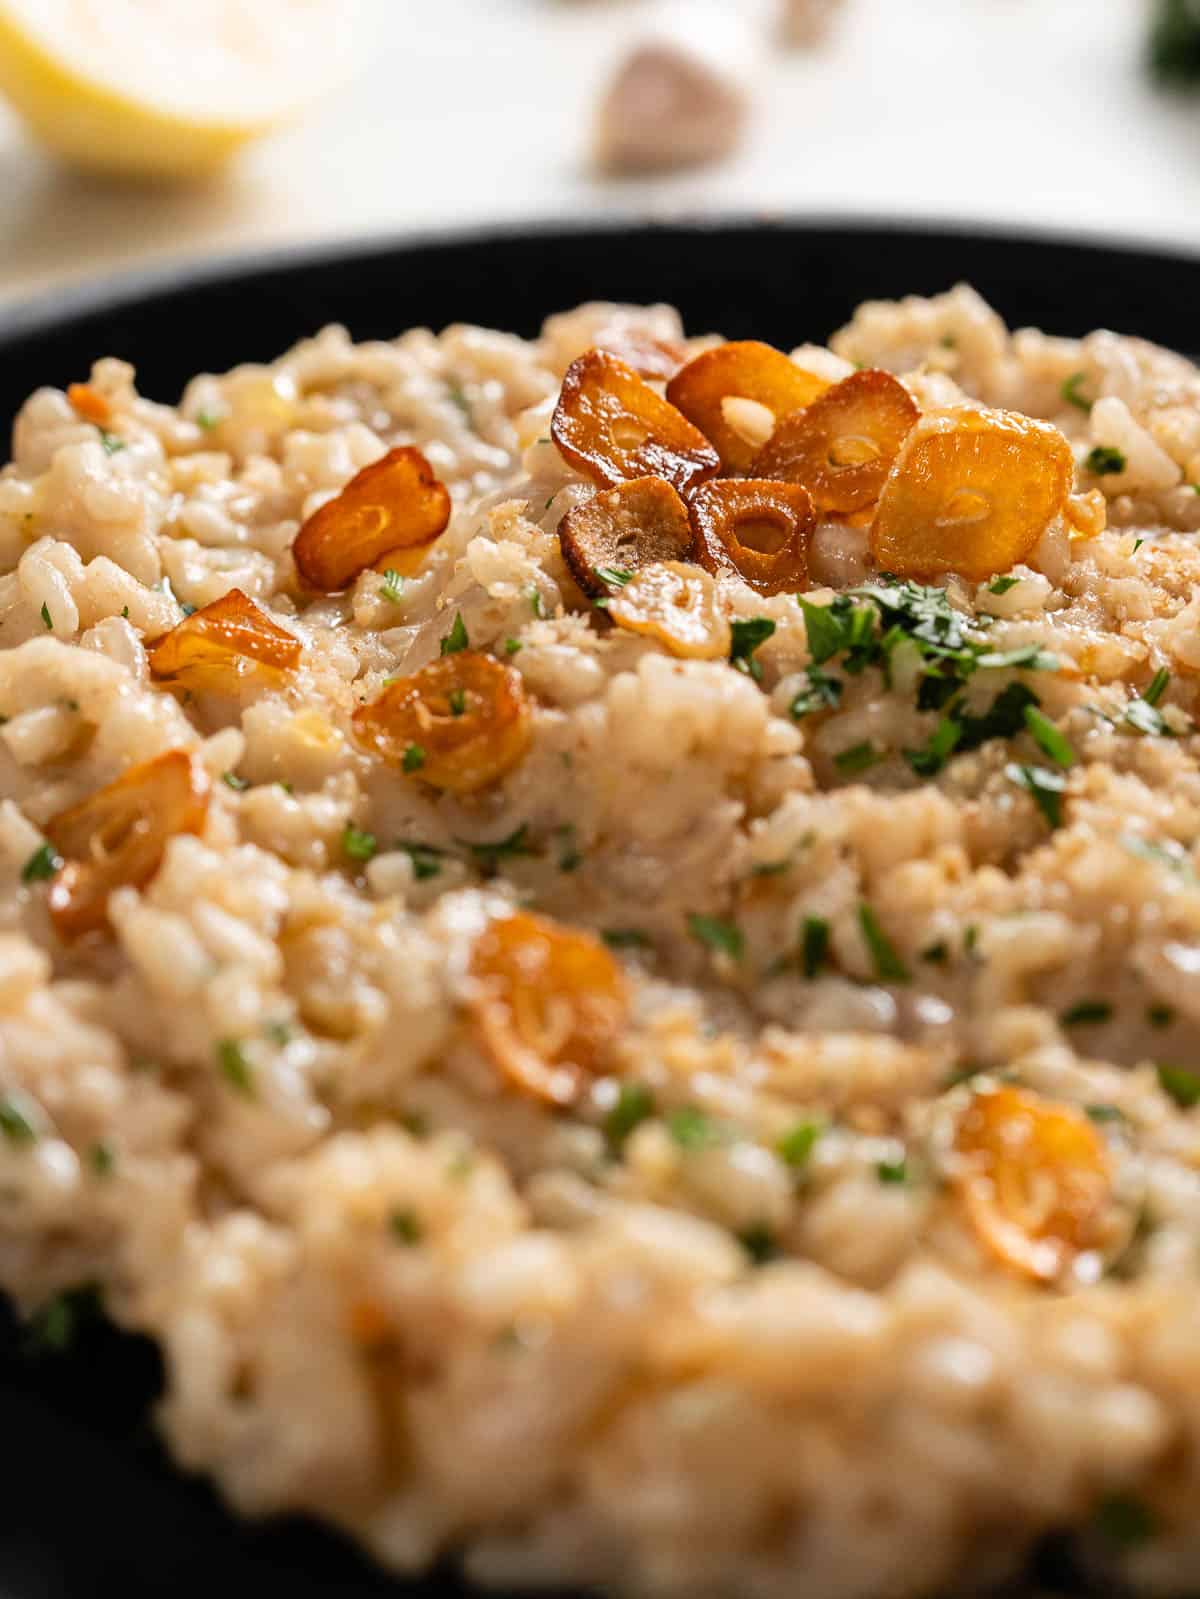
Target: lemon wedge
(167, 88)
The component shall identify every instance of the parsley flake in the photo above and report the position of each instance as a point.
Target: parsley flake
(489, 856)
(1001, 585)
(892, 1171)
(814, 944)
(858, 758)
(626, 938)
(18, 1120)
(747, 634)
(1157, 686)
(456, 639)
(47, 622)
(426, 860)
(613, 577)
(392, 586)
(634, 1105)
(1045, 786)
(234, 1067)
(357, 844)
(1070, 392)
(457, 701)
(512, 645)
(721, 936)
(233, 781)
(413, 759)
(41, 865)
(1182, 1085)
(1104, 461)
(405, 1226)
(796, 1146)
(112, 444)
(1087, 1013)
(889, 968)
(692, 1129)
(102, 1160)
(1048, 738)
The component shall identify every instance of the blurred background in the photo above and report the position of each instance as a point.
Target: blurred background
(458, 113)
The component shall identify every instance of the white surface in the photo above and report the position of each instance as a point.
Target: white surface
(467, 111)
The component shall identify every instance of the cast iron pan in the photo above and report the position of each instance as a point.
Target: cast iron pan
(89, 1507)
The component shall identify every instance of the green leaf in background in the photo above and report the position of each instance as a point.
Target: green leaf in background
(1174, 52)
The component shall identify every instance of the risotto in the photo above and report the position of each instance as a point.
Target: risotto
(601, 940)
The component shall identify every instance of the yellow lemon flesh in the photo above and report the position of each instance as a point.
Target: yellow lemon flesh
(167, 88)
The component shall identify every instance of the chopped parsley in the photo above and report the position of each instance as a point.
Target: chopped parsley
(692, 1129)
(535, 603)
(1001, 585)
(823, 693)
(721, 936)
(936, 954)
(570, 856)
(889, 968)
(405, 1226)
(279, 1032)
(489, 856)
(1104, 460)
(1182, 1085)
(634, 1105)
(392, 586)
(1103, 1113)
(512, 645)
(233, 781)
(814, 944)
(1146, 718)
(358, 844)
(1160, 1015)
(57, 1324)
(456, 394)
(1137, 544)
(1048, 738)
(1045, 786)
(1157, 686)
(414, 758)
(457, 701)
(46, 618)
(613, 577)
(1070, 392)
(626, 938)
(858, 758)
(426, 860)
(456, 639)
(102, 1160)
(42, 864)
(207, 420)
(1123, 1520)
(796, 1147)
(17, 1120)
(892, 1171)
(747, 634)
(760, 1243)
(110, 441)
(234, 1067)
(1087, 1013)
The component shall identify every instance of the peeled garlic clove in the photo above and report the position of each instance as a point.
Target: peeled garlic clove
(681, 96)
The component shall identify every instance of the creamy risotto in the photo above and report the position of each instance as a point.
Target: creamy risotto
(601, 940)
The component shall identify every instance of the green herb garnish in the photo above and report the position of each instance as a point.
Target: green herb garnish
(889, 968)
(814, 944)
(1087, 1013)
(626, 938)
(796, 1146)
(858, 758)
(692, 1129)
(358, 844)
(414, 758)
(634, 1105)
(1160, 1015)
(1001, 585)
(457, 701)
(892, 1171)
(721, 936)
(405, 1226)
(1045, 786)
(1048, 738)
(18, 1121)
(234, 1067)
(747, 634)
(110, 441)
(47, 620)
(1182, 1085)
(42, 864)
(489, 856)
(1104, 460)
(392, 586)
(1070, 392)
(233, 781)
(102, 1160)
(456, 639)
